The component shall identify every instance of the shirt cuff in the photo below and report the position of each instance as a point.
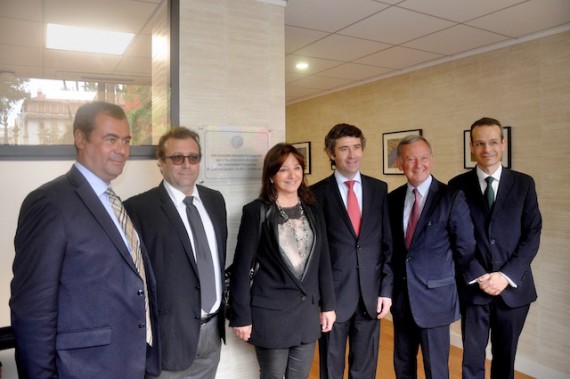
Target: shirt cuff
(511, 283)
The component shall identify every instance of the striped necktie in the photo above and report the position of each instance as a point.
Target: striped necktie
(136, 253)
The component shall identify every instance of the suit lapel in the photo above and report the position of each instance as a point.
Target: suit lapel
(429, 205)
(93, 204)
(367, 199)
(506, 184)
(213, 209)
(273, 223)
(338, 203)
(172, 214)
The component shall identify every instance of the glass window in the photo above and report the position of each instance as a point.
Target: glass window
(42, 88)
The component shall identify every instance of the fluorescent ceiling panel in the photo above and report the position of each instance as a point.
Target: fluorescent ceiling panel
(73, 38)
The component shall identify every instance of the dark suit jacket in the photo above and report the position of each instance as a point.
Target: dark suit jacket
(170, 250)
(426, 272)
(361, 265)
(77, 303)
(284, 310)
(507, 237)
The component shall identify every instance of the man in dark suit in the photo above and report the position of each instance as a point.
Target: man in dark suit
(433, 237)
(507, 231)
(79, 292)
(189, 295)
(360, 244)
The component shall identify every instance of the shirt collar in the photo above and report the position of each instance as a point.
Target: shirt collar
(496, 175)
(423, 188)
(341, 179)
(178, 196)
(98, 184)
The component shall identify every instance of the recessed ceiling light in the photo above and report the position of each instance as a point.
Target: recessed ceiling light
(73, 38)
(302, 66)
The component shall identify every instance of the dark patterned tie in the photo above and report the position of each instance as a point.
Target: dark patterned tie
(489, 193)
(414, 217)
(136, 253)
(352, 207)
(203, 256)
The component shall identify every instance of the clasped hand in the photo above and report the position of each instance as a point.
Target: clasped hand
(493, 283)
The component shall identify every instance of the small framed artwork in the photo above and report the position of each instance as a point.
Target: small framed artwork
(390, 143)
(305, 149)
(468, 158)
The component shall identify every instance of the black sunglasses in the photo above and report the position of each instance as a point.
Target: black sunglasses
(179, 159)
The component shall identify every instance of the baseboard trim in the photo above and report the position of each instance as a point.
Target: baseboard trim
(526, 366)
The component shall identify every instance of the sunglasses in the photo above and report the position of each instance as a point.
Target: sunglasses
(179, 159)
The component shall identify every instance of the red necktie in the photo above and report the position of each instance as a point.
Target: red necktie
(414, 217)
(352, 206)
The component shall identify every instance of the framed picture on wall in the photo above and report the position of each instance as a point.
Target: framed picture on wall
(390, 143)
(305, 149)
(468, 159)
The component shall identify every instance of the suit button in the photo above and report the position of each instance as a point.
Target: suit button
(140, 292)
(141, 326)
(303, 298)
(408, 259)
(493, 241)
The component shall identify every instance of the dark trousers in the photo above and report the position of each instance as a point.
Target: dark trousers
(504, 324)
(409, 337)
(363, 334)
(291, 363)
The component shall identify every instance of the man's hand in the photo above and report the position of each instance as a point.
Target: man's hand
(243, 332)
(327, 321)
(493, 283)
(383, 307)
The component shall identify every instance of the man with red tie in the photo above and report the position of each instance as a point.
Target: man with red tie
(360, 242)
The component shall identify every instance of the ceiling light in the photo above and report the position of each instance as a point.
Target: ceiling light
(302, 66)
(73, 38)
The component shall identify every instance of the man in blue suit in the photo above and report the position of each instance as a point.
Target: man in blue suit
(507, 230)
(78, 296)
(360, 244)
(191, 328)
(433, 239)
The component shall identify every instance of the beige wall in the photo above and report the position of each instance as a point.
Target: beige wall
(526, 86)
(231, 75)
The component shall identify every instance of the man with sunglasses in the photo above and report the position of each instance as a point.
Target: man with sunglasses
(184, 227)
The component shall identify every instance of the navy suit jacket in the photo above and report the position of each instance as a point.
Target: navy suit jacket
(77, 304)
(361, 264)
(426, 271)
(284, 311)
(173, 262)
(508, 235)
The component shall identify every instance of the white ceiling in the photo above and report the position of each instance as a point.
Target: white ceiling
(345, 42)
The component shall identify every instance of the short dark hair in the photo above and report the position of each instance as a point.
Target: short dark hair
(339, 131)
(485, 121)
(343, 130)
(176, 132)
(273, 161)
(87, 113)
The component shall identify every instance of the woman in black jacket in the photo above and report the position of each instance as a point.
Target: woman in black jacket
(291, 298)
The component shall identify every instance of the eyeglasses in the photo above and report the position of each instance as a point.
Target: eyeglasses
(179, 159)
